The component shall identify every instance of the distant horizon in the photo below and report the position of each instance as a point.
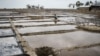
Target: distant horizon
(32, 8)
(62, 4)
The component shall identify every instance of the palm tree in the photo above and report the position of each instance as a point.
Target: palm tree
(33, 6)
(28, 6)
(78, 3)
(91, 2)
(88, 3)
(73, 5)
(41, 7)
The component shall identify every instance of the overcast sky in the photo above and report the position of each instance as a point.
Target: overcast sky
(45, 3)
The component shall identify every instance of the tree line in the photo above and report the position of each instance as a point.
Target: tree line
(79, 3)
(34, 7)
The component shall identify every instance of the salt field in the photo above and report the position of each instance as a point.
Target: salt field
(65, 40)
(5, 25)
(9, 47)
(43, 29)
(38, 23)
(6, 32)
(93, 51)
(60, 36)
(22, 21)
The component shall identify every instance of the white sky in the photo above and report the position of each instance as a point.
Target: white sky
(45, 3)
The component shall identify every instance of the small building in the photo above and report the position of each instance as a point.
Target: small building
(96, 6)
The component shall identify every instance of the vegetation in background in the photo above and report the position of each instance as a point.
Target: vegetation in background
(34, 7)
(79, 3)
(88, 3)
